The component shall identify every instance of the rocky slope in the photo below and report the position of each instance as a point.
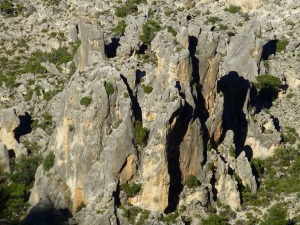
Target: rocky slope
(152, 110)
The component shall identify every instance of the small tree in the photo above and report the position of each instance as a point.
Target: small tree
(192, 181)
(268, 81)
(49, 161)
(109, 88)
(150, 29)
(277, 216)
(131, 189)
(140, 133)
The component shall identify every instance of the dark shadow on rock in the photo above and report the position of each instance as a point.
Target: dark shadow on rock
(174, 138)
(24, 127)
(200, 110)
(139, 75)
(276, 123)
(234, 89)
(137, 111)
(11, 154)
(248, 152)
(142, 49)
(111, 48)
(269, 49)
(46, 214)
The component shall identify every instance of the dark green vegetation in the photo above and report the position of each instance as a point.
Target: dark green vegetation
(131, 189)
(131, 213)
(49, 161)
(281, 45)
(86, 101)
(268, 81)
(140, 134)
(192, 181)
(80, 207)
(268, 87)
(233, 9)
(15, 188)
(147, 89)
(109, 88)
(9, 8)
(120, 28)
(150, 29)
(277, 215)
(128, 8)
(15, 67)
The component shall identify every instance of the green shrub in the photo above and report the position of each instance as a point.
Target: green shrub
(128, 8)
(28, 95)
(47, 116)
(277, 216)
(150, 29)
(47, 96)
(131, 189)
(233, 9)
(140, 134)
(120, 28)
(171, 30)
(147, 89)
(109, 88)
(80, 207)
(281, 45)
(232, 151)
(7, 7)
(86, 101)
(212, 19)
(49, 161)
(23, 171)
(214, 219)
(192, 181)
(268, 81)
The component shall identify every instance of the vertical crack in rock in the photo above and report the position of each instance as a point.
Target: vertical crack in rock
(137, 111)
(200, 110)
(174, 139)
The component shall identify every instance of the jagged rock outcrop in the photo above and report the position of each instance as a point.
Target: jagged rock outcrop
(92, 44)
(244, 52)
(9, 122)
(87, 157)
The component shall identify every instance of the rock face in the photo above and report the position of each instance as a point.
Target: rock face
(192, 89)
(10, 129)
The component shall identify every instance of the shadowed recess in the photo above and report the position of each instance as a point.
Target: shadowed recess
(24, 127)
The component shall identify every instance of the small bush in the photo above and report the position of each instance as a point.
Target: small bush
(233, 9)
(47, 116)
(150, 29)
(80, 207)
(277, 216)
(214, 219)
(49, 161)
(147, 89)
(280, 45)
(131, 189)
(192, 181)
(109, 88)
(86, 101)
(268, 81)
(140, 134)
(120, 28)
(212, 19)
(232, 152)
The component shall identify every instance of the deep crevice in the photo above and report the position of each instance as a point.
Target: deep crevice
(24, 126)
(111, 48)
(174, 138)
(269, 49)
(137, 111)
(200, 110)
